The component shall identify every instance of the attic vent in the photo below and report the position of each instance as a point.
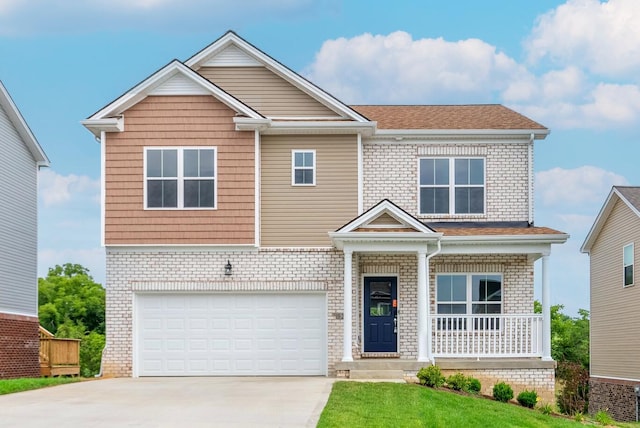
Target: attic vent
(179, 84)
(232, 56)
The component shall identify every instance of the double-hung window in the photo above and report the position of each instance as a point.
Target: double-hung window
(303, 167)
(468, 294)
(180, 178)
(628, 264)
(452, 185)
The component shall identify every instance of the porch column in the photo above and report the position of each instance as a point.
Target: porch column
(347, 309)
(546, 311)
(423, 306)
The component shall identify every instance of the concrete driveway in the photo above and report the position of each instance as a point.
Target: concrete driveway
(171, 402)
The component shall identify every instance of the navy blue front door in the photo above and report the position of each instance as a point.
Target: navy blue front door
(380, 314)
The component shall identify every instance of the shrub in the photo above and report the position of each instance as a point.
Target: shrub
(457, 382)
(474, 386)
(579, 417)
(603, 418)
(502, 392)
(431, 376)
(573, 398)
(528, 398)
(546, 409)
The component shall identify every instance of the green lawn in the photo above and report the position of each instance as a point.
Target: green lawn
(362, 404)
(8, 386)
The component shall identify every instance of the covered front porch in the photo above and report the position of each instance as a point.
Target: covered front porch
(393, 264)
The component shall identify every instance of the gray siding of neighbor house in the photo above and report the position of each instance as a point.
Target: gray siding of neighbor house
(18, 223)
(614, 309)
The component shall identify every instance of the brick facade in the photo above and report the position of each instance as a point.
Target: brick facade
(506, 171)
(19, 346)
(617, 397)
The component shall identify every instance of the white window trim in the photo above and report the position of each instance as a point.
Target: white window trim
(633, 257)
(294, 168)
(180, 178)
(469, 302)
(452, 186)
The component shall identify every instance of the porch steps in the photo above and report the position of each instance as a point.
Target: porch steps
(376, 374)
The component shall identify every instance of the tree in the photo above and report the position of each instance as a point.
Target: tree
(569, 335)
(72, 305)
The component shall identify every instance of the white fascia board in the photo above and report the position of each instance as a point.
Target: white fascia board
(282, 71)
(382, 241)
(111, 124)
(21, 126)
(379, 209)
(382, 247)
(320, 127)
(140, 91)
(495, 248)
(155, 248)
(251, 124)
(539, 134)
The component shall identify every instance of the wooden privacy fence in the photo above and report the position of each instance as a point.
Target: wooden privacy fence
(58, 357)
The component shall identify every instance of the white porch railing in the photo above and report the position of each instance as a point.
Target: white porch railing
(486, 335)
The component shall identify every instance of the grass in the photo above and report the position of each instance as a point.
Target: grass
(362, 404)
(9, 386)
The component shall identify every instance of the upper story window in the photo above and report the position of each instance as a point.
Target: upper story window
(303, 167)
(452, 186)
(628, 264)
(180, 178)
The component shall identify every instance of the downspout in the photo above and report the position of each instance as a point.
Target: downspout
(429, 324)
(102, 141)
(530, 149)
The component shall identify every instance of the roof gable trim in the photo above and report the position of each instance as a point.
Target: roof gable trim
(218, 47)
(22, 128)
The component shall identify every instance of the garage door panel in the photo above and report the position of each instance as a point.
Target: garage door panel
(230, 334)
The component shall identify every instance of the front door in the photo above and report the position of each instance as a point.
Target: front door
(380, 314)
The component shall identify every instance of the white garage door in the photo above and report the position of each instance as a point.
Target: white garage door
(230, 334)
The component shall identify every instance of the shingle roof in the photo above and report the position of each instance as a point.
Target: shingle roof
(481, 116)
(493, 231)
(631, 194)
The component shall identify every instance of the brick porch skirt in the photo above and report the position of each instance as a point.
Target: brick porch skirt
(19, 346)
(615, 396)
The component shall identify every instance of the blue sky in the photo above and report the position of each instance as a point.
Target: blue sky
(573, 66)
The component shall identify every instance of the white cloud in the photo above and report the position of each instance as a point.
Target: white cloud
(26, 17)
(55, 189)
(91, 258)
(395, 68)
(602, 37)
(569, 188)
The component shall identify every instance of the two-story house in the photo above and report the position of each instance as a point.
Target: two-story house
(20, 158)
(614, 383)
(256, 225)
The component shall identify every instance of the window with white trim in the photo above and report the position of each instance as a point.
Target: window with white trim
(180, 178)
(468, 294)
(303, 167)
(627, 262)
(452, 185)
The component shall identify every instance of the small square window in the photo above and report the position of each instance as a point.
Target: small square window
(303, 167)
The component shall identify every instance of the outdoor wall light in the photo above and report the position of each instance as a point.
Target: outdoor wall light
(228, 269)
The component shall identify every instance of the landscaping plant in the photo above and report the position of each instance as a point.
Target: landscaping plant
(474, 386)
(457, 382)
(502, 392)
(528, 398)
(431, 376)
(573, 398)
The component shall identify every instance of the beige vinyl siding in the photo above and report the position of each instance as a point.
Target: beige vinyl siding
(615, 342)
(179, 121)
(265, 92)
(301, 216)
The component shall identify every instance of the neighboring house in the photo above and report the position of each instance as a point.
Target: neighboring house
(256, 225)
(615, 298)
(20, 158)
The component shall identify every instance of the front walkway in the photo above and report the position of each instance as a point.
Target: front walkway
(171, 402)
